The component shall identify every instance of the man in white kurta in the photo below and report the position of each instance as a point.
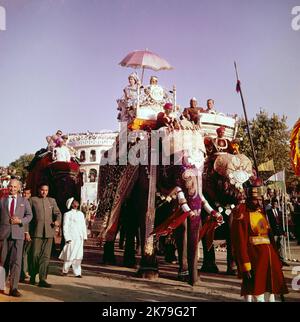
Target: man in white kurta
(74, 230)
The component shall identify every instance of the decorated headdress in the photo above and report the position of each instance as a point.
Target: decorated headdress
(255, 192)
(168, 106)
(220, 129)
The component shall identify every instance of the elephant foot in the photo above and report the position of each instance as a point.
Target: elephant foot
(108, 254)
(183, 276)
(148, 268)
(109, 261)
(195, 282)
(129, 263)
(148, 274)
(213, 269)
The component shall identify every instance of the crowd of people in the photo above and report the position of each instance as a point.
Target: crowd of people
(28, 225)
(27, 228)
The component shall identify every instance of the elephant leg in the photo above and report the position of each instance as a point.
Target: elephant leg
(148, 267)
(146, 189)
(192, 248)
(129, 254)
(170, 250)
(181, 243)
(209, 259)
(122, 237)
(109, 254)
(130, 226)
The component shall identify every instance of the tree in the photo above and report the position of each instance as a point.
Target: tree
(20, 165)
(270, 135)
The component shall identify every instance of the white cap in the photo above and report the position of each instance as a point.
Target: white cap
(69, 202)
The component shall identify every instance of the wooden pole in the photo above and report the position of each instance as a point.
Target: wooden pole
(239, 89)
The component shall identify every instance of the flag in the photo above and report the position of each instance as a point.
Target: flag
(279, 176)
(295, 147)
(238, 86)
(267, 166)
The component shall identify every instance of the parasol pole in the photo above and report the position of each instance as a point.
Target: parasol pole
(142, 75)
(175, 98)
(239, 89)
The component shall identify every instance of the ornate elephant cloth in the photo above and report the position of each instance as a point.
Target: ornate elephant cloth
(236, 167)
(115, 184)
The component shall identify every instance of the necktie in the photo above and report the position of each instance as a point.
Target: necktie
(276, 216)
(12, 207)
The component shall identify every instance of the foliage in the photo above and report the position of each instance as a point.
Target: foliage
(270, 135)
(20, 165)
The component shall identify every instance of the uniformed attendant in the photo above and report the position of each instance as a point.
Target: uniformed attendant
(46, 216)
(255, 251)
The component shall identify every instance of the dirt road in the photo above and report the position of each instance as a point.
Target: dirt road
(105, 283)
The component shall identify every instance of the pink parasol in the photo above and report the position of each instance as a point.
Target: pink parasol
(145, 59)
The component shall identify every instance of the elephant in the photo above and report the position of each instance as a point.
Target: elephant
(137, 186)
(223, 188)
(64, 180)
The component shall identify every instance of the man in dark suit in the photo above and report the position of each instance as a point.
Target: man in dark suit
(275, 220)
(46, 216)
(15, 212)
(27, 241)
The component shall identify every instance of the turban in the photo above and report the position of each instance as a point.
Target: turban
(69, 202)
(220, 129)
(168, 106)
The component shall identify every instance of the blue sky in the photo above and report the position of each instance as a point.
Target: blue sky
(59, 60)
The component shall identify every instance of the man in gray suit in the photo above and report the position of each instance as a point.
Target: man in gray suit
(46, 216)
(15, 212)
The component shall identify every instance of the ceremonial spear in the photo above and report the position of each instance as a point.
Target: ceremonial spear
(239, 90)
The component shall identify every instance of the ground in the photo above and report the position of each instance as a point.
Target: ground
(106, 283)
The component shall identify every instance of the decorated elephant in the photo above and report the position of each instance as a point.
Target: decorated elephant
(179, 180)
(64, 180)
(223, 188)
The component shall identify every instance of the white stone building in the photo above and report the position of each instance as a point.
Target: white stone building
(89, 149)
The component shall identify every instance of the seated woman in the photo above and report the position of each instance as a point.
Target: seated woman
(131, 90)
(127, 104)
